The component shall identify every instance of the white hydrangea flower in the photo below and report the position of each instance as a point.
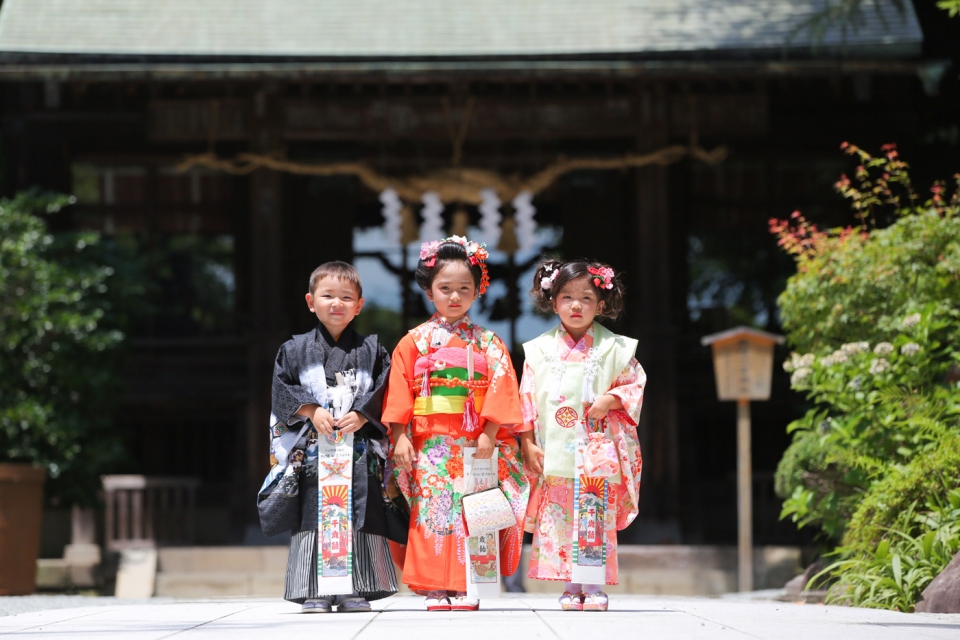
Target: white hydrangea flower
(800, 374)
(796, 361)
(911, 320)
(883, 349)
(879, 365)
(855, 347)
(909, 349)
(837, 357)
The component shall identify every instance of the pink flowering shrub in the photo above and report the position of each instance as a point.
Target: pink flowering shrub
(856, 283)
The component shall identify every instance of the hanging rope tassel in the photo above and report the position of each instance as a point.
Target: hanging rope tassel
(425, 388)
(588, 394)
(471, 421)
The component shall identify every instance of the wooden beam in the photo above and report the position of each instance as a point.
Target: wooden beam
(363, 118)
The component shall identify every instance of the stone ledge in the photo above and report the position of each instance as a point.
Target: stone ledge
(192, 584)
(195, 559)
(644, 569)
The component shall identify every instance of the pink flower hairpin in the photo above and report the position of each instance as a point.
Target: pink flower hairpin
(602, 277)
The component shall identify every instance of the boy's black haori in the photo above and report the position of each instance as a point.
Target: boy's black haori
(290, 507)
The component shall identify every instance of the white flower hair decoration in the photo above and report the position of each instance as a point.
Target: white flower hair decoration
(546, 282)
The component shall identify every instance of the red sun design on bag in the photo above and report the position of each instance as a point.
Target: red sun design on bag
(566, 417)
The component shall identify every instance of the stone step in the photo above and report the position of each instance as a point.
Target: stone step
(215, 584)
(269, 559)
(195, 572)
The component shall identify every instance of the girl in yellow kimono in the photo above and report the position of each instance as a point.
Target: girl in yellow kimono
(581, 393)
(435, 410)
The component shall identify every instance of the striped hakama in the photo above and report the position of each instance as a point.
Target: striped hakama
(374, 576)
(373, 573)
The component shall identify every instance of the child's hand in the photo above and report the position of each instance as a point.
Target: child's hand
(485, 446)
(351, 422)
(323, 421)
(532, 457)
(403, 452)
(603, 405)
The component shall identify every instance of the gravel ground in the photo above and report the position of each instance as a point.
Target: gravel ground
(10, 605)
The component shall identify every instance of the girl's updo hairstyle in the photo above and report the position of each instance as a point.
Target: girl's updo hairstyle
(447, 252)
(553, 275)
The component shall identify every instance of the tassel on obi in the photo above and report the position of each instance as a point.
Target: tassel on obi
(471, 421)
(425, 387)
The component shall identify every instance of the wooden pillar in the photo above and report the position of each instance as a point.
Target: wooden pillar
(268, 322)
(653, 322)
(744, 499)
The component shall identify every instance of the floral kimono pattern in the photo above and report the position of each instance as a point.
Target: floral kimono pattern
(550, 510)
(429, 393)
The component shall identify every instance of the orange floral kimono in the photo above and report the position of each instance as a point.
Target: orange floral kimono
(428, 391)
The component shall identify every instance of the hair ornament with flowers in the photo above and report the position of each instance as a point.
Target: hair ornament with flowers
(602, 277)
(549, 276)
(476, 255)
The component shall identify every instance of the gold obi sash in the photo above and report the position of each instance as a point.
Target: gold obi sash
(430, 405)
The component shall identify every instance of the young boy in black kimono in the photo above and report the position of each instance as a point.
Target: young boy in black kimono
(306, 369)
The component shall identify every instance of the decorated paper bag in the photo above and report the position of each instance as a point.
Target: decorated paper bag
(487, 511)
(589, 499)
(483, 551)
(335, 510)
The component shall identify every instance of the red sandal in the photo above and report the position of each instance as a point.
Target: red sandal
(596, 601)
(571, 601)
(437, 601)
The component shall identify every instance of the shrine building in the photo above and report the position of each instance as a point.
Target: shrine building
(237, 144)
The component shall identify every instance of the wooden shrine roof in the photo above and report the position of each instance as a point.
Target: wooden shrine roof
(443, 29)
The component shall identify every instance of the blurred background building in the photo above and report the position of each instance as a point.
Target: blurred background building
(106, 99)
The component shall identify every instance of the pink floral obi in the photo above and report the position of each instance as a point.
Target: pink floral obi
(450, 358)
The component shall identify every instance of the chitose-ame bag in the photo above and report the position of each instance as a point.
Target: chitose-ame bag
(600, 458)
(487, 511)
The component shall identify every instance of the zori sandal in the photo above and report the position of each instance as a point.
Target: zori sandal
(316, 605)
(437, 601)
(353, 605)
(595, 601)
(463, 603)
(571, 601)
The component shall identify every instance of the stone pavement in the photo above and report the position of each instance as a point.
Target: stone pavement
(517, 616)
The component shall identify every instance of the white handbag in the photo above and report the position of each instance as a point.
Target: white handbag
(487, 511)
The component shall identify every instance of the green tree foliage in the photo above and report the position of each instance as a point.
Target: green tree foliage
(875, 316)
(952, 7)
(60, 329)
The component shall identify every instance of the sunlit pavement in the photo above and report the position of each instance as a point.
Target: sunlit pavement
(517, 616)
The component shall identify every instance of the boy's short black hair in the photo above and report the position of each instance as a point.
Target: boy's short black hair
(339, 270)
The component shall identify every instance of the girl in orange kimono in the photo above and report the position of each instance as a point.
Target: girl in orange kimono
(434, 412)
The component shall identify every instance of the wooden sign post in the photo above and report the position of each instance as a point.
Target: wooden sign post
(743, 366)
